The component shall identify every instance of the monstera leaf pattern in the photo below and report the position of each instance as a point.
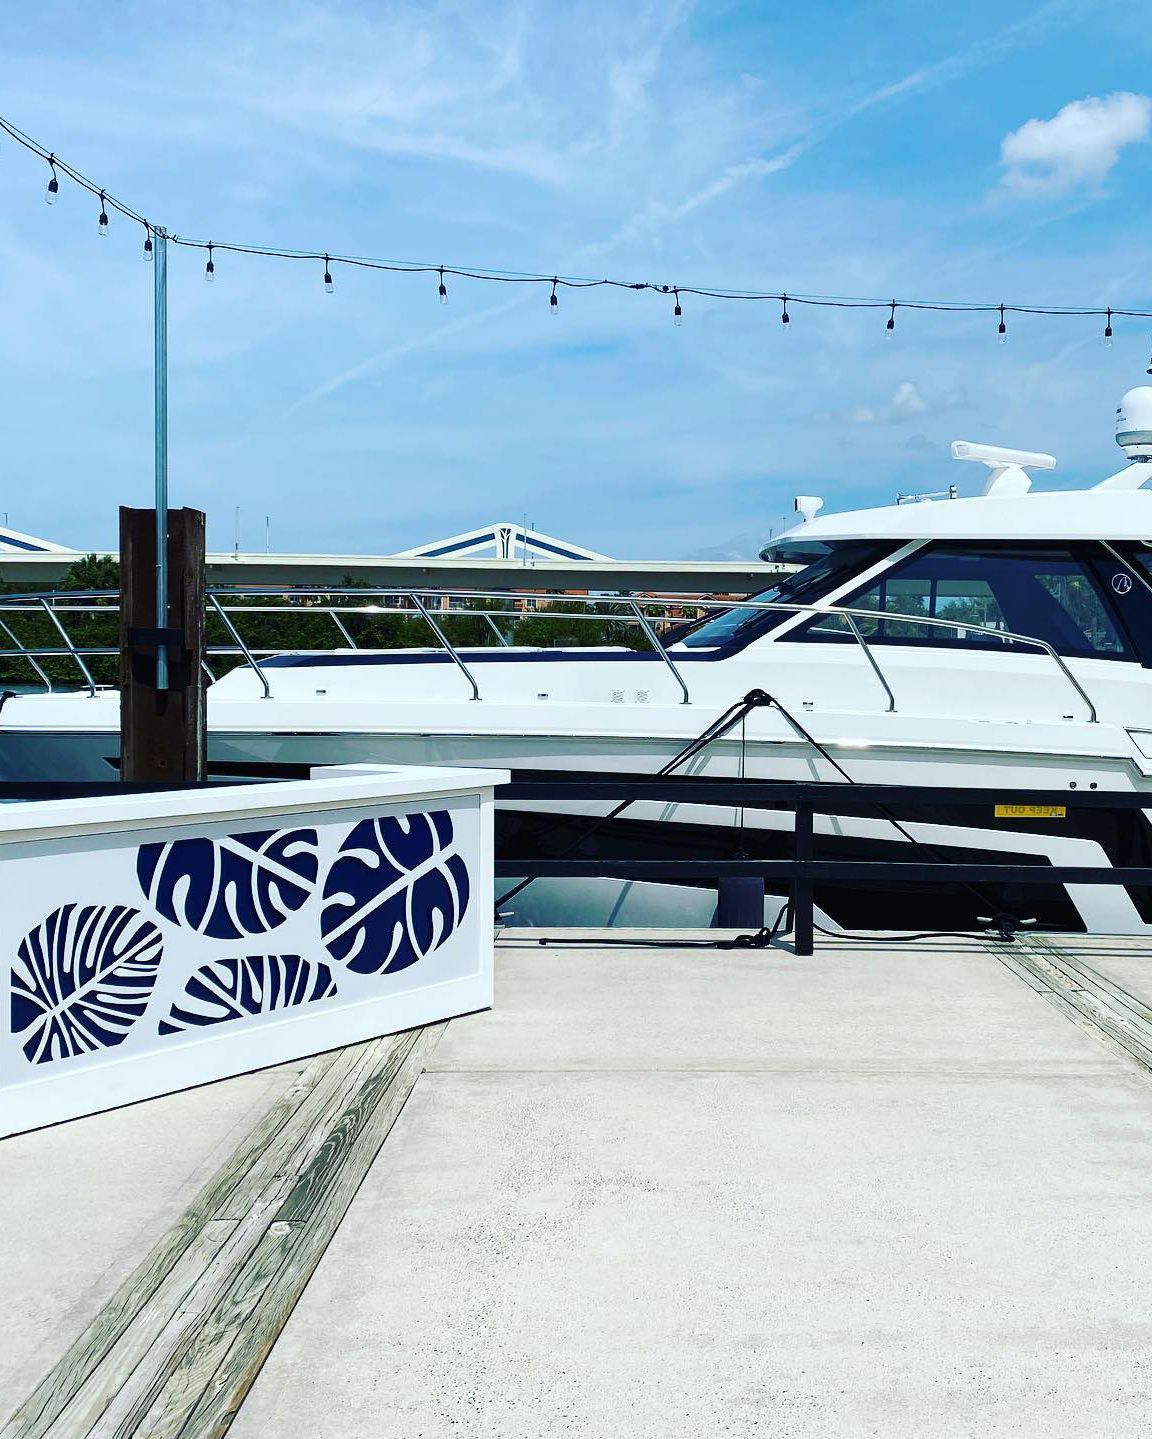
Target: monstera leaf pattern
(230, 888)
(395, 892)
(82, 979)
(239, 988)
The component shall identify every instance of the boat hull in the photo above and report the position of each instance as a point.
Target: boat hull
(661, 830)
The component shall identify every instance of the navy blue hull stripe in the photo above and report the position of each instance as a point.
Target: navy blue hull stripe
(482, 657)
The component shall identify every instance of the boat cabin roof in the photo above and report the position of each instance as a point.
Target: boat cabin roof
(1115, 509)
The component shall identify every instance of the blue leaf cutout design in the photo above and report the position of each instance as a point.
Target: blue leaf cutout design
(230, 888)
(395, 892)
(239, 988)
(82, 979)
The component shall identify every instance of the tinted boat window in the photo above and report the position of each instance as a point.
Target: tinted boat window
(1143, 556)
(1046, 593)
(806, 586)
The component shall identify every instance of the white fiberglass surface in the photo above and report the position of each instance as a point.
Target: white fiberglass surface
(1040, 515)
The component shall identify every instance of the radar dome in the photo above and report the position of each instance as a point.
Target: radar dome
(1134, 423)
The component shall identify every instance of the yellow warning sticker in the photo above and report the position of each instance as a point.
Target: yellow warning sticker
(1031, 811)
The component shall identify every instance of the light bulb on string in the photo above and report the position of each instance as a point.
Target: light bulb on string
(152, 234)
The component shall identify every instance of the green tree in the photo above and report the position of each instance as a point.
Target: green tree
(92, 572)
(30, 626)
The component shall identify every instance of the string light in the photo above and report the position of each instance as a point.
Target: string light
(678, 312)
(108, 203)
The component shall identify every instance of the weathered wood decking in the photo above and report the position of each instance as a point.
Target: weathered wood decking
(1061, 970)
(890, 1189)
(178, 1345)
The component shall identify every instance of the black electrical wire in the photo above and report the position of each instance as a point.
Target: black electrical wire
(54, 160)
(573, 282)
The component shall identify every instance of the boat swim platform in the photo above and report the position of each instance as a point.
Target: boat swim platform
(893, 1189)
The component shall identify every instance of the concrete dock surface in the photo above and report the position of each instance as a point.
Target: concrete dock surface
(892, 1189)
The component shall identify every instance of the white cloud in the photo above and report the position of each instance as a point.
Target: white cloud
(660, 213)
(1078, 146)
(906, 403)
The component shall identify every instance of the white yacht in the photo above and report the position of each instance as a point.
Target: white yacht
(1003, 639)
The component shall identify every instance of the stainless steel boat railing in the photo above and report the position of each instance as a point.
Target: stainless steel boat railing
(411, 603)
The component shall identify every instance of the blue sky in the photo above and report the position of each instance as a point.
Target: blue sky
(885, 148)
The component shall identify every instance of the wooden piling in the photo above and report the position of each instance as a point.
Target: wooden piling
(163, 733)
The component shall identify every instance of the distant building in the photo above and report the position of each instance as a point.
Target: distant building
(498, 556)
(504, 541)
(12, 542)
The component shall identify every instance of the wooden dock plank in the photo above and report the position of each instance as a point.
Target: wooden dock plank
(34, 1418)
(114, 1371)
(208, 1385)
(108, 1378)
(1100, 984)
(1102, 1011)
(137, 1389)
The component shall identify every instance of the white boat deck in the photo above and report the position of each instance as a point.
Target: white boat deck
(894, 1189)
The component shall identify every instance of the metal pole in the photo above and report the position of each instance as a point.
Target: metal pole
(802, 899)
(160, 314)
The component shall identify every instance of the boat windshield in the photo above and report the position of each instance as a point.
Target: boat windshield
(837, 567)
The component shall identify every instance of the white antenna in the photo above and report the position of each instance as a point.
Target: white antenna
(948, 494)
(236, 534)
(1008, 467)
